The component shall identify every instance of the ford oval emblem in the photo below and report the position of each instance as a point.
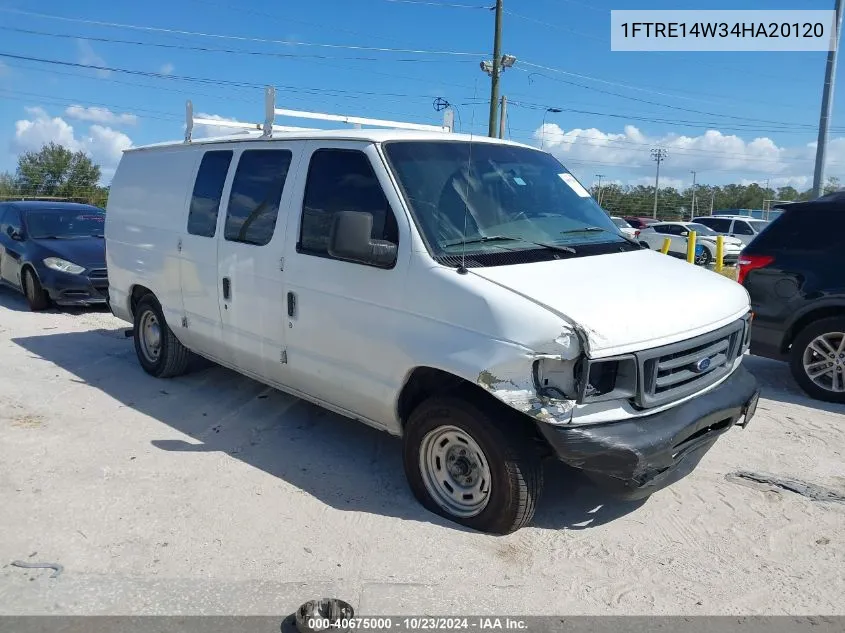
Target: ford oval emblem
(702, 365)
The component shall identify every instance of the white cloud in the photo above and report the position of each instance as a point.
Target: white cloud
(97, 114)
(103, 144)
(4, 70)
(167, 69)
(210, 131)
(716, 156)
(88, 57)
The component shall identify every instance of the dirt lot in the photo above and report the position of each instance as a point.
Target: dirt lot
(213, 494)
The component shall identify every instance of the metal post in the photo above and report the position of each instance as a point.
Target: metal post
(503, 116)
(497, 67)
(827, 101)
(712, 200)
(692, 209)
(659, 155)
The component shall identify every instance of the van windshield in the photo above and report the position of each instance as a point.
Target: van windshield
(495, 198)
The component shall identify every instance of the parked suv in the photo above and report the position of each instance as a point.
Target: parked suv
(739, 227)
(53, 252)
(794, 272)
(464, 293)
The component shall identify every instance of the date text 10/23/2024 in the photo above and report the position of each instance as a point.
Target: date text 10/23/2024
(419, 623)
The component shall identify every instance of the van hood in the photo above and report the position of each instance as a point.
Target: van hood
(626, 302)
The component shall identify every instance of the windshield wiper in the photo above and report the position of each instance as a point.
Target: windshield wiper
(598, 229)
(586, 229)
(482, 239)
(506, 238)
(96, 235)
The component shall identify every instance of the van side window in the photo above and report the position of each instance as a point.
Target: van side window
(208, 189)
(342, 180)
(256, 194)
(720, 225)
(742, 228)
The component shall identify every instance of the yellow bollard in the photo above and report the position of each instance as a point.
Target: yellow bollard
(720, 253)
(667, 242)
(691, 247)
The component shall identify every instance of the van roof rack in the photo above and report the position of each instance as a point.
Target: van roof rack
(271, 111)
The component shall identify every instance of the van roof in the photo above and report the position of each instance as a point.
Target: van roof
(368, 135)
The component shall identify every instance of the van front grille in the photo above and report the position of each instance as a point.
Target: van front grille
(676, 371)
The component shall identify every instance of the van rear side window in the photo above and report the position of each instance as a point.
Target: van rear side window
(256, 194)
(208, 189)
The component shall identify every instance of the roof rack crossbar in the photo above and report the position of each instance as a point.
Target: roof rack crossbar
(271, 111)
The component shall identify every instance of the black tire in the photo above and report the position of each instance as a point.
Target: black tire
(705, 259)
(801, 342)
(36, 296)
(173, 357)
(515, 468)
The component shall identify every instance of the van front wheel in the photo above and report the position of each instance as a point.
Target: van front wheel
(159, 351)
(472, 466)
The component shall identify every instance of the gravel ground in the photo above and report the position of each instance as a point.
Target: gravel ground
(212, 494)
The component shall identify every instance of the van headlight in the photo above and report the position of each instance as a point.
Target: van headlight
(63, 265)
(605, 379)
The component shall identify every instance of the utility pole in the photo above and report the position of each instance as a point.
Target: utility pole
(503, 116)
(692, 210)
(599, 176)
(827, 101)
(712, 200)
(658, 154)
(497, 61)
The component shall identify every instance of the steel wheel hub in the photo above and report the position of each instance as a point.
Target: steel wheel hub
(455, 471)
(150, 334)
(824, 361)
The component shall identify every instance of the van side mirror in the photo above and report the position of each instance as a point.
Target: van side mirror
(15, 234)
(684, 233)
(350, 239)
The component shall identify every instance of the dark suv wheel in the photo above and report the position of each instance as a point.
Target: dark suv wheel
(817, 359)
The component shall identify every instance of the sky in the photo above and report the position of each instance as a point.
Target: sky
(103, 77)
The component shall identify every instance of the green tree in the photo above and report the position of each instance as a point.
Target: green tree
(56, 171)
(831, 185)
(787, 193)
(8, 185)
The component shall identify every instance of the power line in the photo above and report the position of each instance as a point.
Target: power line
(241, 38)
(450, 5)
(209, 49)
(202, 80)
(655, 103)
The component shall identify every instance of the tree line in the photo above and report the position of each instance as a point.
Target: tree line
(639, 200)
(54, 172)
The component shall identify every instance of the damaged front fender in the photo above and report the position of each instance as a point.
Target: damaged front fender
(516, 384)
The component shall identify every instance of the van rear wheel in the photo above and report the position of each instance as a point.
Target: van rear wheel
(159, 351)
(472, 466)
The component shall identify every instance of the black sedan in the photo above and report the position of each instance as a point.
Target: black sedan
(54, 252)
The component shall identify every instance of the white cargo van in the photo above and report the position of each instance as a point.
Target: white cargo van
(464, 293)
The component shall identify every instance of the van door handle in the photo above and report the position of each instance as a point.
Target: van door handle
(291, 304)
(227, 288)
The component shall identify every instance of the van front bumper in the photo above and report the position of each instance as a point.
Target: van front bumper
(634, 458)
